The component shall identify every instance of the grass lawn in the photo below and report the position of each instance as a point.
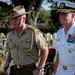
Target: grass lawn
(3, 61)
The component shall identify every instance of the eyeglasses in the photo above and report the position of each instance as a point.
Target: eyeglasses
(16, 18)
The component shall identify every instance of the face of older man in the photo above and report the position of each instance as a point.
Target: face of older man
(66, 18)
(18, 21)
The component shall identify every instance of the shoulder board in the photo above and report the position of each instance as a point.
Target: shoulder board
(61, 27)
(33, 28)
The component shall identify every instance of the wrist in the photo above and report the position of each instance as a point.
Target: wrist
(40, 67)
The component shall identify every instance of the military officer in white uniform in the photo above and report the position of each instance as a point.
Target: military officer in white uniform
(65, 43)
(25, 45)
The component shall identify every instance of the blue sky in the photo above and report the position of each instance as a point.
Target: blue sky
(46, 6)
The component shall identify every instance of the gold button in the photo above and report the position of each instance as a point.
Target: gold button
(64, 67)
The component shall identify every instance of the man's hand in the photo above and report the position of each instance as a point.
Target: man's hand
(37, 71)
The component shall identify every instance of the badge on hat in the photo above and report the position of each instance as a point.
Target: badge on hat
(62, 5)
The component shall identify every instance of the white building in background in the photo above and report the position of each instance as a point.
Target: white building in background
(55, 36)
(47, 35)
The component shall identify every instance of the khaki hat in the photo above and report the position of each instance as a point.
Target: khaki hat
(66, 6)
(19, 10)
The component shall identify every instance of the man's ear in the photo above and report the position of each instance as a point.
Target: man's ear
(24, 19)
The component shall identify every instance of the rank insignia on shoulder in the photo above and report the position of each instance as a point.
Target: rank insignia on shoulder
(71, 39)
(34, 28)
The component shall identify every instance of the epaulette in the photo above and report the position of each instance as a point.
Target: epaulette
(61, 27)
(33, 28)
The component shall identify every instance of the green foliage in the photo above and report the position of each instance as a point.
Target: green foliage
(1, 52)
(54, 22)
(3, 37)
(55, 19)
(3, 14)
(44, 16)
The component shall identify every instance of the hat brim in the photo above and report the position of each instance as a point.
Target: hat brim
(65, 10)
(21, 14)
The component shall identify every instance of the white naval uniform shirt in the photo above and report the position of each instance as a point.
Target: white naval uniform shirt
(66, 49)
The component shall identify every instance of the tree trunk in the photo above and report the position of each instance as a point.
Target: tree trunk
(30, 5)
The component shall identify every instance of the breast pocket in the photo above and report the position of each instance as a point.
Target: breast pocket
(26, 44)
(70, 48)
(69, 45)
